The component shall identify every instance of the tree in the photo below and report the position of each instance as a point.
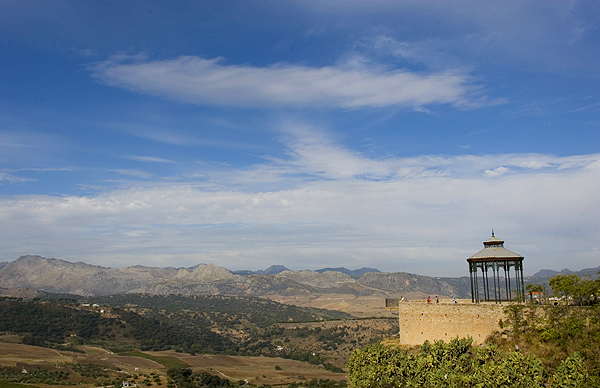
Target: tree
(575, 290)
(564, 285)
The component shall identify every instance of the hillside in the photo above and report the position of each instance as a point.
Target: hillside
(220, 311)
(67, 325)
(192, 324)
(402, 282)
(59, 276)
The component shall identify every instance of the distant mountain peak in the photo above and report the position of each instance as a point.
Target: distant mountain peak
(543, 273)
(353, 273)
(548, 273)
(196, 266)
(272, 270)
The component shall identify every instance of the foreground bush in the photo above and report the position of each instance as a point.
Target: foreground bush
(459, 364)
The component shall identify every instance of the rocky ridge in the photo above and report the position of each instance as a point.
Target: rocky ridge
(54, 275)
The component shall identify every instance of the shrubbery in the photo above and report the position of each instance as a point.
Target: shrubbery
(89, 370)
(184, 378)
(459, 364)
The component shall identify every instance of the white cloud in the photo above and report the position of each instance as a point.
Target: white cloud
(496, 172)
(213, 82)
(425, 214)
(534, 164)
(311, 152)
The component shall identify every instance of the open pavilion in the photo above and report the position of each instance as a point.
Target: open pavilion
(495, 257)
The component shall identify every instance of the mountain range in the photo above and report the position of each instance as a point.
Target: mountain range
(548, 273)
(275, 269)
(59, 276)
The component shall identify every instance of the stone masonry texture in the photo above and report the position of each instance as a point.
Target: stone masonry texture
(420, 321)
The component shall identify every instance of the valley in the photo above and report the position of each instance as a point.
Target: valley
(244, 339)
(145, 372)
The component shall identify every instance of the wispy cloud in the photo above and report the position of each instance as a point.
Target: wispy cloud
(132, 173)
(169, 136)
(214, 82)
(477, 30)
(150, 159)
(9, 178)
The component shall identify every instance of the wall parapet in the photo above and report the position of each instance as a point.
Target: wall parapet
(420, 321)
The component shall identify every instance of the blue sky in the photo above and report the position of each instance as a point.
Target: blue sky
(391, 134)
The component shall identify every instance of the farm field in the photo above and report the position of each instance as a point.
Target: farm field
(253, 370)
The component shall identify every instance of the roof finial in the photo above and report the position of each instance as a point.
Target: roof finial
(493, 232)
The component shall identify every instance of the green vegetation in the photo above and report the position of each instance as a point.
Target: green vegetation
(453, 364)
(321, 383)
(51, 324)
(221, 311)
(156, 331)
(184, 378)
(558, 332)
(43, 323)
(332, 368)
(555, 333)
(576, 291)
(33, 376)
(309, 357)
(89, 370)
(168, 362)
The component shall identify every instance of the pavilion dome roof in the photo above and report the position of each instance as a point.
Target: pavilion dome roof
(493, 240)
(494, 250)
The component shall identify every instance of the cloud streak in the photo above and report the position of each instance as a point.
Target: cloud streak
(203, 81)
(149, 159)
(10, 178)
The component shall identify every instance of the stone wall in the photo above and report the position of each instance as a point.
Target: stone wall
(421, 321)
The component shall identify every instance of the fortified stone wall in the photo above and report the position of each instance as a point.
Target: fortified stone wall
(421, 321)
